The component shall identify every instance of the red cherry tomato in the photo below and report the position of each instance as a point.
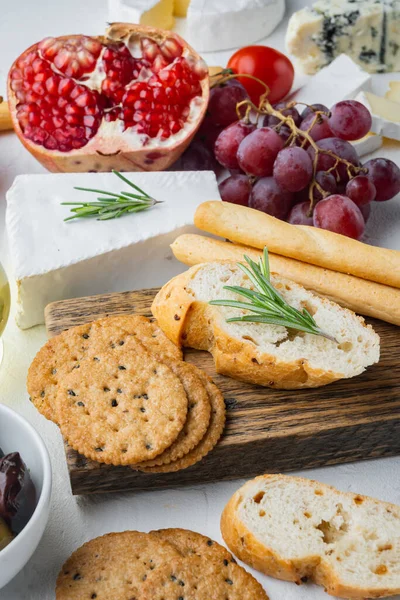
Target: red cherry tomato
(267, 64)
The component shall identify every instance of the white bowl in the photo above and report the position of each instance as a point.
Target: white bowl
(17, 435)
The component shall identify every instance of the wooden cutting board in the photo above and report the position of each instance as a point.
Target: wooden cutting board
(267, 430)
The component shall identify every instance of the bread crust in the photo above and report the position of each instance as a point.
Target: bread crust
(308, 244)
(247, 548)
(364, 297)
(195, 324)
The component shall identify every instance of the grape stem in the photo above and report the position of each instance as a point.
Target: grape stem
(266, 108)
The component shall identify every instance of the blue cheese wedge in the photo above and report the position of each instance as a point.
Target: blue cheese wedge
(53, 260)
(367, 30)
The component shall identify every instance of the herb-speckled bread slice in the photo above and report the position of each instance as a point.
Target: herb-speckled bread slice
(296, 529)
(263, 354)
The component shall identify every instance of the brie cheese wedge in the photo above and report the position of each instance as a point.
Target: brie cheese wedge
(53, 260)
(208, 25)
(385, 114)
(213, 25)
(343, 79)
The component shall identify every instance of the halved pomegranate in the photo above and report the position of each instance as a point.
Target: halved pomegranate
(130, 100)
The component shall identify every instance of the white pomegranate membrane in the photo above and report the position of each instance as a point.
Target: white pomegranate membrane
(69, 89)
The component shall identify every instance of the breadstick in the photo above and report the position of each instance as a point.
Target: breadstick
(361, 296)
(308, 244)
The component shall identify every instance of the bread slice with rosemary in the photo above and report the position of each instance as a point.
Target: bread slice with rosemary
(297, 530)
(263, 353)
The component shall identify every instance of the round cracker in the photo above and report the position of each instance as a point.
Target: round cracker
(193, 578)
(146, 331)
(63, 352)
(190, 543)
(198, 417)
(112, 566)
(121, 406)
(212, 435)
(57, 358)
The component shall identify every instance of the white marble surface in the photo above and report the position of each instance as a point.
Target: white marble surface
(73, 520)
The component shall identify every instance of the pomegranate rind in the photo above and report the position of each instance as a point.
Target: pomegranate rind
(106, 150)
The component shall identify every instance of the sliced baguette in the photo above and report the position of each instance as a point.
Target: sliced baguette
(263, 354)
(296, 529)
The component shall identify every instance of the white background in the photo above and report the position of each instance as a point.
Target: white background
(75, 520)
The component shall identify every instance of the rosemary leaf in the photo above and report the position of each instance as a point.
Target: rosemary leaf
(130, 183)
(111, 205)
(266, 304)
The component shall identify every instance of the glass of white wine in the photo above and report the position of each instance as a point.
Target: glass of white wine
(5, 302)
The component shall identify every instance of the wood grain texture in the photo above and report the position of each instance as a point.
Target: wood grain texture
(267, 431)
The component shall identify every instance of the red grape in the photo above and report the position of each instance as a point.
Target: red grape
(299, 214)
(208, 132)
(235, 189)
(228, 141)
(271, 120)
(311, 110)
(361, 190)
(270, 198)
(340, 215)
(293, 169)
(327, 182)
(320, 129)
(258, 151)
(340, 148)
(385, 175)
(350, 120)
(365, 211)
(223, 101)
(284, 132)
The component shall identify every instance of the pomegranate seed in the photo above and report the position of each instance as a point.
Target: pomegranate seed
(49, 47)
(171, 49)
(83, 99)
(159, 63)
(38, 88)
(89, 121)
(52, 85)
(65, 87)
(149, 49)
(57, 122)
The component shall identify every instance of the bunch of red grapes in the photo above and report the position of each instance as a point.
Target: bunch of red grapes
(273, 169)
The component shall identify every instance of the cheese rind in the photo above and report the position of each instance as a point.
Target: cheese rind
(213, 25)
(385, 114)
(367, 144)
(367, 30)
(53, 260)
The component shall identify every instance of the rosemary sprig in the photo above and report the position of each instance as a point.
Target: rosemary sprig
(111, 205)
(267, 304)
